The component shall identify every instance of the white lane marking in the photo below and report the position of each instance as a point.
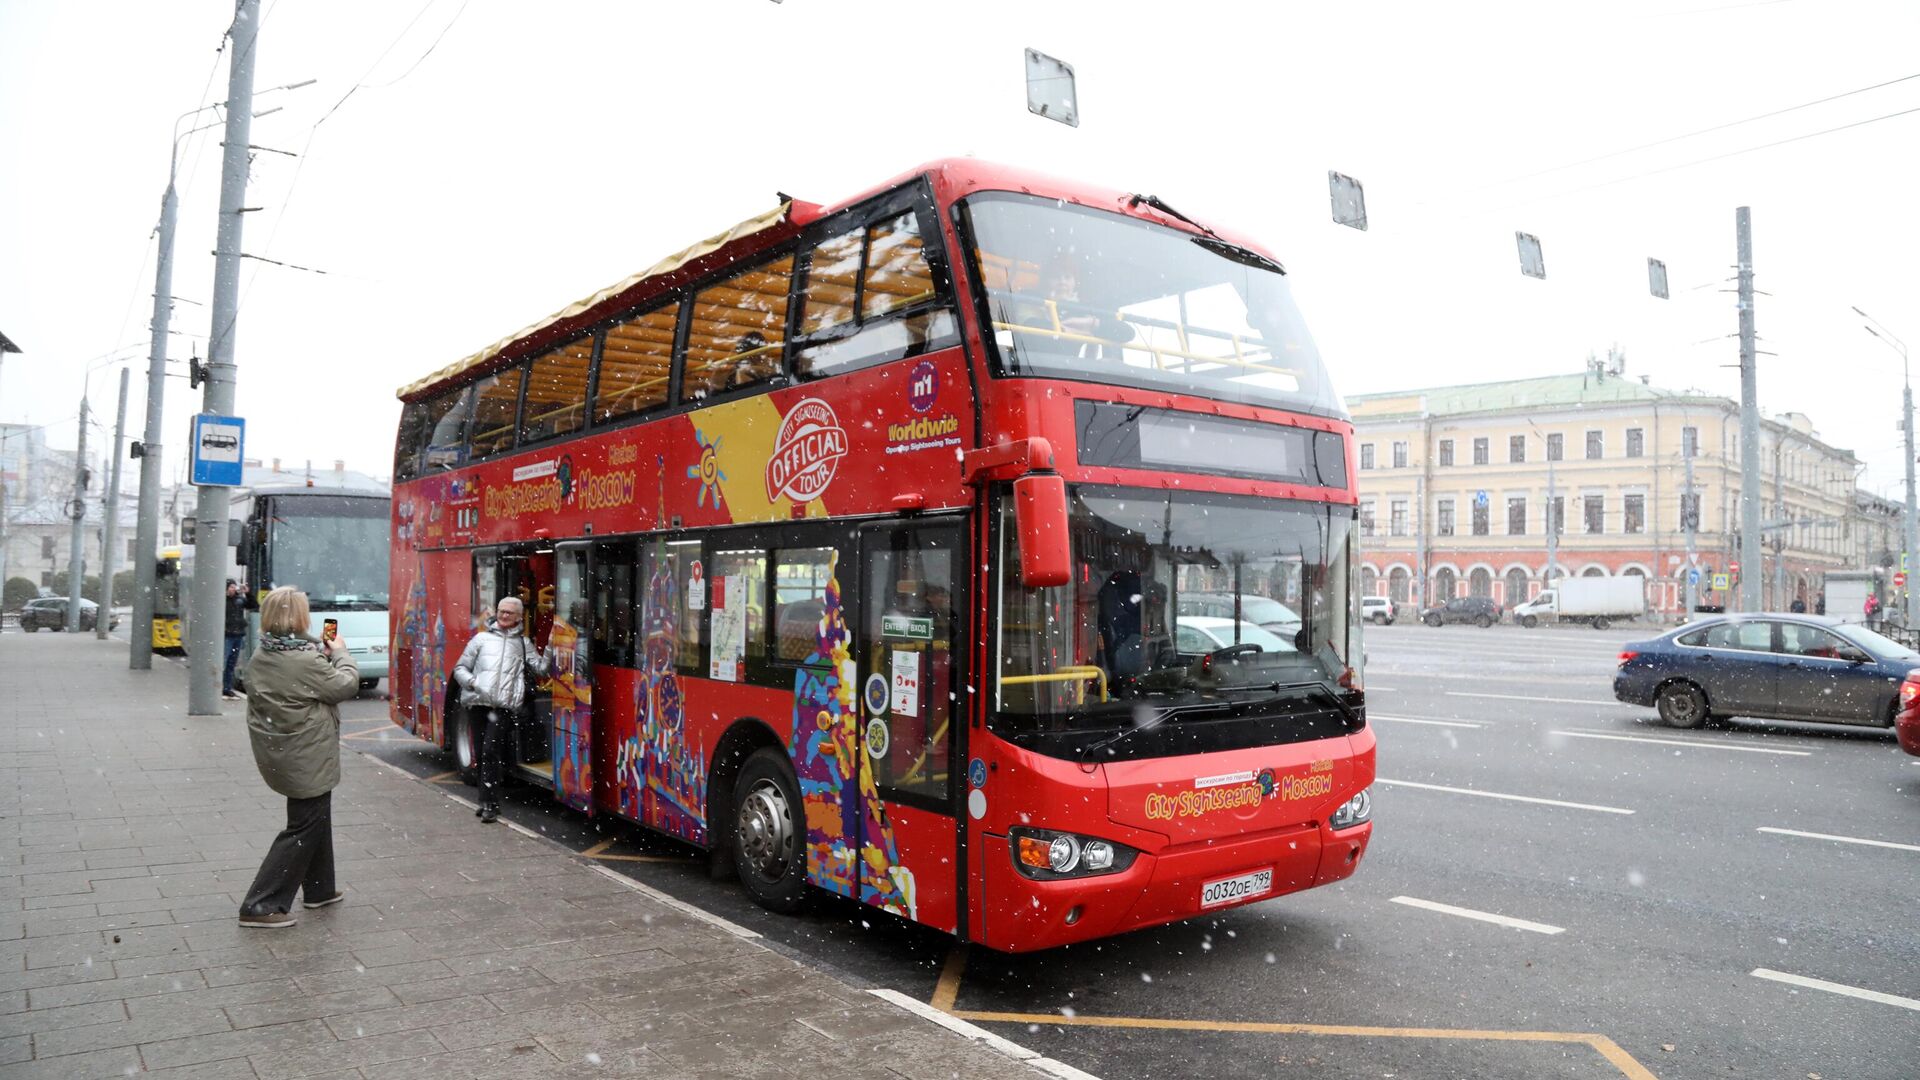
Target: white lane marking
(1841, 839)
(1421, 720)
(680, 906)
(1682, 742)
(1384, 689)
(1835, 988)
(1483, 916)
(1513, 798)
(1555, 700)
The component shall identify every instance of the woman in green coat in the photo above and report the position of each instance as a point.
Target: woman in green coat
(294, 688)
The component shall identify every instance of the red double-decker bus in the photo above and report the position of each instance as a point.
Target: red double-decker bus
(981, 548)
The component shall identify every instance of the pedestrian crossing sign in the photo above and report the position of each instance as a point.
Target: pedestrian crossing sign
(1720, 583)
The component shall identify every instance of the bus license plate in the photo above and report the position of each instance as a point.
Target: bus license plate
(1235, 889)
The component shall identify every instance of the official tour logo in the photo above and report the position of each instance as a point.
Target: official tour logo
(806, 453)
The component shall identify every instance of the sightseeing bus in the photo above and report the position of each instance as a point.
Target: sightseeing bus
(980, 549)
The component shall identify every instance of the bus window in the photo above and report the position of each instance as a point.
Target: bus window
(446, 426)
(674, 597)
(496, 398)
(636, 361)
(557, 392)
(738, 328)
(738, 599)
(877, 271)
(799, 601)
(413, 433)
(486, 588)
(613, 604)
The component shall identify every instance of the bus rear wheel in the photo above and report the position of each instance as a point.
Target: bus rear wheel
(769, 832)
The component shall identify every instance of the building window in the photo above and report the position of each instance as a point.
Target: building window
(1443, 517)
(1366, 455)
(1446, 452)
(1595, 512)
(1397, 517)
(1557, 515)
(1690, 512)
(1636, 441)
(1594, 446)
(1481, 512)
(1690, 441)
(1635, 513)
(1517, 449)
(1366, 517)
(46, 547)
(1517, 516)
(1479, 451)
(1556, 447)
(1399, 455)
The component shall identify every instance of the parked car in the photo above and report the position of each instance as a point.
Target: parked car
(1270, 614)
(1780, 667)
(1478, 610)
(50, 612)
(1377, 608)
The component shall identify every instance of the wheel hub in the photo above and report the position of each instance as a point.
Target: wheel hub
(765, 829)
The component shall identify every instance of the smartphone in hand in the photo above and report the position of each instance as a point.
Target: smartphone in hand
(329, 629)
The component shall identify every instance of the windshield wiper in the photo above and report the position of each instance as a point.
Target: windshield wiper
(1160, 204)
(1161, 716)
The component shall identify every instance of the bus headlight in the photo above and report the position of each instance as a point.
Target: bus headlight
(1355, 810)
(1050, 855)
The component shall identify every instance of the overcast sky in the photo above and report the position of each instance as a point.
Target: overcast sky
(468, 166)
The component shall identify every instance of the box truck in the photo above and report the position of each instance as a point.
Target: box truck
(1597, 601)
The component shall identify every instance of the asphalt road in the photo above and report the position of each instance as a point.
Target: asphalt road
(1637, 860)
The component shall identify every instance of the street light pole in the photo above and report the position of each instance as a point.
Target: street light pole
(1911, 541)
(77, 511)
(210, 537)
(1749, 419)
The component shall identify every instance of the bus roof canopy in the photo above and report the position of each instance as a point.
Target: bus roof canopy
(574, 311)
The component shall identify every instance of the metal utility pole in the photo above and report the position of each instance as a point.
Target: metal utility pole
(1749, 421)
(1911, 538)
(103, 619)
(1779, 532)
(77, 510)
(207, 621)
(1690, 524)
(146, 530)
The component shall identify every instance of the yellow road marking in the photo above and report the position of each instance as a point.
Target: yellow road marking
(370, 733)
(1606, 1047)
(947, 990)
(441, 778)
(598, 851)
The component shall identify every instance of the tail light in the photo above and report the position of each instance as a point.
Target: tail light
(1910, 690)
(1626, 655)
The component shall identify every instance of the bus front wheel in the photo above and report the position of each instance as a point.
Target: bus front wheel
(769, 832)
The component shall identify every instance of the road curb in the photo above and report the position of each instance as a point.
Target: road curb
(982, 1036)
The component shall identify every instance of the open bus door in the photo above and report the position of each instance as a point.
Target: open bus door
(568, 690)
(912, 730)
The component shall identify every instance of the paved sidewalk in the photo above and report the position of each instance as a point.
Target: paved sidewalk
(129, 831)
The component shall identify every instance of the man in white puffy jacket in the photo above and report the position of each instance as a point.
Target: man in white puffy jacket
(492, 674)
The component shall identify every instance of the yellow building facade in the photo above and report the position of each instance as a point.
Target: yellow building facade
(1458, 485)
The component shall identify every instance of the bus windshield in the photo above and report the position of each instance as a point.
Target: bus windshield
(1075, 293)
(334, 548)
(1233, 612)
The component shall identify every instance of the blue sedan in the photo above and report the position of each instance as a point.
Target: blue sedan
(1782, 667)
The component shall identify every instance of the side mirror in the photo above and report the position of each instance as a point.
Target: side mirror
(1855, 656)
(1040, 516)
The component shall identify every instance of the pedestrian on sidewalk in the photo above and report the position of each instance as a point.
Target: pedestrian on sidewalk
(236, 636)
(492, 674)
(293, 694)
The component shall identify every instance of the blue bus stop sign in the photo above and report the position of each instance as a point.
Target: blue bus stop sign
(218, 446)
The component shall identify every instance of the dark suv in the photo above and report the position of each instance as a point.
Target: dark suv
(50, 612)
(1478, 610)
